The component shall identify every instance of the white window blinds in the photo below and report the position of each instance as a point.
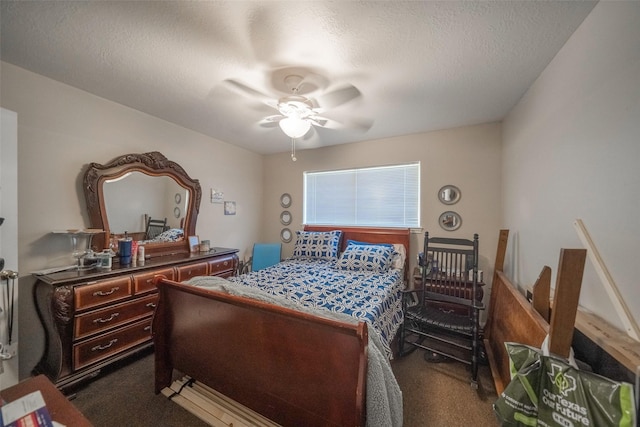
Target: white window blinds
(387, 196)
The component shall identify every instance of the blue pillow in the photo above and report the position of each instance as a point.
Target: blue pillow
(317, 245)
(354, 242)
(366, 257)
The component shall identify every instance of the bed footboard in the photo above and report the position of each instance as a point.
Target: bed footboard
(293, 368)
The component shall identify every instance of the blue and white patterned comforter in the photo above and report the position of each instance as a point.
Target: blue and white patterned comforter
(365, 295)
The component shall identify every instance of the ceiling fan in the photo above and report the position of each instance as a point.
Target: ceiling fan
(298, 112)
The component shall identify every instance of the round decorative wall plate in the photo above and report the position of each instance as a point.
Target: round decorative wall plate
(285, 235)
(177, 197)
(176, 212)
(285, 218)
(285, 200)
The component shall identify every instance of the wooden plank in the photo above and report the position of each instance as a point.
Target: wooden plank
(250, 415)
(620, 346)
(501, 251)
(514, 320)
(616, 298)
(218, 413)
(213, 407)
(193, 408)
(565, 300)
(541, 292)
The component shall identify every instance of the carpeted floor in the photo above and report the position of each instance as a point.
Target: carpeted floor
(440, 394)
(435, 394)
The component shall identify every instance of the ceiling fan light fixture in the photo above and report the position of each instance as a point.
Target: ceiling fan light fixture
(294, 127)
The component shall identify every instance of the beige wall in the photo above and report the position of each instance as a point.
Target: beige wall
(60, 130)
(571, 150)
(467, 157)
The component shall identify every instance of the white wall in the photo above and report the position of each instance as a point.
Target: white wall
(9, 241)
(61, 130)
(571, 149)
(468, 157)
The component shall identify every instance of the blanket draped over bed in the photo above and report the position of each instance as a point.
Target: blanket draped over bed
(384, 398)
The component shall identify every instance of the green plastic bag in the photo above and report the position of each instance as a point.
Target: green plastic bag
(548, 391)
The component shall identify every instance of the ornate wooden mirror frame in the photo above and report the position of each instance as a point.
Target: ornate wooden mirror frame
(152, 164)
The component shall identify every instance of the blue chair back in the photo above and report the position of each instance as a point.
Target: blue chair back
(265, 255)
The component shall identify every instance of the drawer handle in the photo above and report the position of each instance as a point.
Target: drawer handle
(104, 294)
(147, 328)
(113, 316)
(150, 280)
(151, 305)
(104, 347)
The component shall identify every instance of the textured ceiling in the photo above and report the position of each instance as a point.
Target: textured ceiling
(419, 65)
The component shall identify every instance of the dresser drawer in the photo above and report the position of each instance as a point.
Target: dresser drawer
(186, 272)
(107, 291)
(104, 346)
(110, 317)
(223, 266)
(144, 282)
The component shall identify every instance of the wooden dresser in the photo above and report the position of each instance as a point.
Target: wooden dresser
(94, 318)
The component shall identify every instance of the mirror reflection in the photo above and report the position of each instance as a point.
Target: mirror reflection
(449, 194)
(133, 198)
(450, 221)
(135, 191)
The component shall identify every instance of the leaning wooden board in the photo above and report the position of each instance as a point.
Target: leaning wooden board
(512, 318)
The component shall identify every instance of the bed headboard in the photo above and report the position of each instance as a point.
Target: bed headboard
(371, 235)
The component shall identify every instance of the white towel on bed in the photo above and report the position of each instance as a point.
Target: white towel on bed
(384, 397)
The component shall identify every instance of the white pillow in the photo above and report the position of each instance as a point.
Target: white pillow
(399, 256)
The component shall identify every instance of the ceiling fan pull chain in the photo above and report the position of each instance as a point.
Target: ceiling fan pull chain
(293, 149)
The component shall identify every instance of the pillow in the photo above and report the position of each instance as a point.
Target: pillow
(349, 242)
(317, 245)
(171, 235)
(366, 258)
(399, 256)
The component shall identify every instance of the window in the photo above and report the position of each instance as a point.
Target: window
(387, 196)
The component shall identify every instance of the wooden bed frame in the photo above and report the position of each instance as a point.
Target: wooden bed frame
(511, 318)
(293, 368)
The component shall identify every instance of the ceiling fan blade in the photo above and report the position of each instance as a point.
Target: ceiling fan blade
(317, 121)
(247, 91)
(271, 121)
(349, 123)
(338, 96)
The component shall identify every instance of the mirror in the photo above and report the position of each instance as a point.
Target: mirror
(122, 194)
(450, 221)
(449, 194)
(131, 198)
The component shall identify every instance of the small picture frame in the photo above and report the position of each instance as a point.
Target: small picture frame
(229, 208)
(194, 244)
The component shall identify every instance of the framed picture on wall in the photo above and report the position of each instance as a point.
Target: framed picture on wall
(229, 208)
(194, 244)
